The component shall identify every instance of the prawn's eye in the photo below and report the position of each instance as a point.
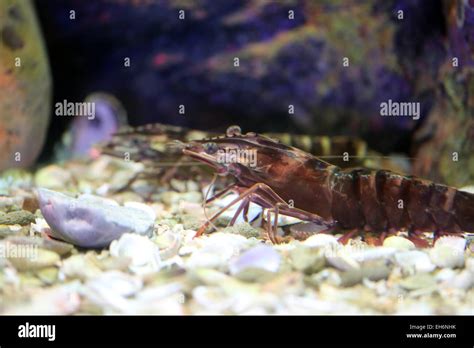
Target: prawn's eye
(233, 131)
(211, 148)
(234, 170)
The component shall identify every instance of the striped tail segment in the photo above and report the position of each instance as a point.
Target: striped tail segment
(382, 201)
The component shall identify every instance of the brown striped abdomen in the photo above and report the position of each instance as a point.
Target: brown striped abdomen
(382, 200)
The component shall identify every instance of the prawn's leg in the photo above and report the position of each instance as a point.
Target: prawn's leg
(415, 237)
(263, 195)
(221, 193)
(272, 228)
(243, 195)
(242, 206)
(268, 196)
(345, 238)
(246, 212)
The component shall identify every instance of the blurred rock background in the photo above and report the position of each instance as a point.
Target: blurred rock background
(25, 85)
(397, 49)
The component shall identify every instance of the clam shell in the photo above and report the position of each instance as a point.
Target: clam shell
(90, 221)
(144, 255)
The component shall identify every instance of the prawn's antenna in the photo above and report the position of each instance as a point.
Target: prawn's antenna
(175, 145)
(213, 181)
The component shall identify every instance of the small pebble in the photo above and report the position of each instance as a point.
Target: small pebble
(38, 259)
(414, 261)
(80, 266)
(8, 204)
(321, 240)
(398, 243)
(56, 246)
(419, 281)
(307, 259)
(470, 264)
(343, 262)
(463, 280)
(53, 177)
(376, 269)
(48, 275)
(191, 221)
(338, 278)
(445, 256)
(9, 230)
(21, 217)
(245, 230)
(445, 275)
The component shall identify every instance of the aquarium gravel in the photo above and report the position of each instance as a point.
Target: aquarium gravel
(233, 270)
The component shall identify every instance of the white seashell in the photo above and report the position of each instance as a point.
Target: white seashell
(110, 290)
(321, 240)
(262, 257)
(169, 243)
(165, 299)
(39, 226)
(414, 261)
(455, 242)
(216, 250)
(144, 255)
